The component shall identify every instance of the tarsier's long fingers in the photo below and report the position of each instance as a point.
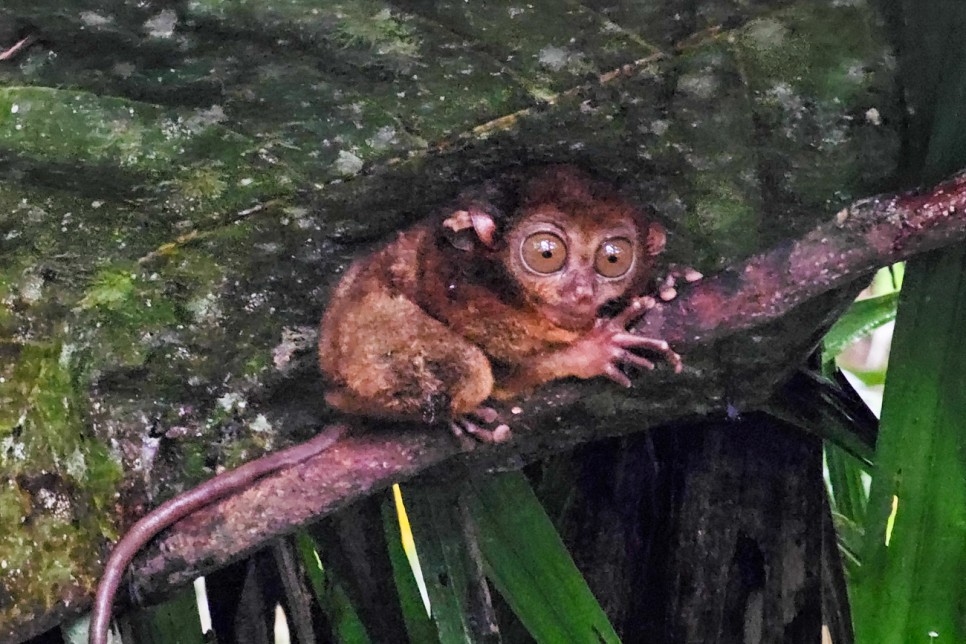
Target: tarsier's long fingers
(638, 307)
(634, 341)
(638, 361)
(613, 372)
(670, 356)
(487, 414)
(674, 359)
(666, 287)
(500, 434)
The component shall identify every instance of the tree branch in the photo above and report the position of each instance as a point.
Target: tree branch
(867, 235)
(795, 281)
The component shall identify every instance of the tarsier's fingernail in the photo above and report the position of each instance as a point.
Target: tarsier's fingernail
(668, 294)
(487, 414)
(692, 275)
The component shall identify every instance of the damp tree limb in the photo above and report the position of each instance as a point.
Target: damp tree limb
(753, 294)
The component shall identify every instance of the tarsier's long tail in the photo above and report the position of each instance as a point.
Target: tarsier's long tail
(172, 511)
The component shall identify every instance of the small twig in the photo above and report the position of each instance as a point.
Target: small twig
(169, 248)
(23, 43)
(297, 596)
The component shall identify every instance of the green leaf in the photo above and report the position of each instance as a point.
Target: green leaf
(451, 565)
(850, 537)
(850, 499)
(912, 576)
(175, 620)
(870, 378)
(821, 407)
(911, 586)
(530, 566)
(346, 625)
(862, 318)
(849, 495)
(418, 624)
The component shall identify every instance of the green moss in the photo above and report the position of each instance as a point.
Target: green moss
(110, 290)
(54, 474)
(37, 420)
(725, 218)
(202, 184)
(124, 297)
(7, 318)
(40, 422)
(124, 311)
(175, 151)
(816, 49)
(194, 268)
(76, 126)
(241, 231)
(256, 364)
(372, 25)
(14, 504)
(193, 463)
(44, 560)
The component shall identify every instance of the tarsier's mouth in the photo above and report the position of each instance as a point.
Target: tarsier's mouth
(572, 316)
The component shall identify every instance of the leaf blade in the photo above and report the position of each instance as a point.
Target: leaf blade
(863, 317)
(530, 566)
(913, 585)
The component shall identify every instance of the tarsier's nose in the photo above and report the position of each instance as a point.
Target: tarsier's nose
(583, 288)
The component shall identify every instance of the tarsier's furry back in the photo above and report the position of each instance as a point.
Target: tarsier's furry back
(494, 296)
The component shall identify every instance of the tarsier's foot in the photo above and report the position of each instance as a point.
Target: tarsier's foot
(487, 415)
(666, 287)
(609, 345)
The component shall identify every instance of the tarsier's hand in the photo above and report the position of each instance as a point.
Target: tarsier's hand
(609, 344)
(667, 286)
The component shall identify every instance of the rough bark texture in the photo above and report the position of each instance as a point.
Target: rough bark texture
(745, 559)
(706, 533)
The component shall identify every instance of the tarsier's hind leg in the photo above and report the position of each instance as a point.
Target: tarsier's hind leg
(390, 359)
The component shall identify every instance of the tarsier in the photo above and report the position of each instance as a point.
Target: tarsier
(487, 301)
(492, 298)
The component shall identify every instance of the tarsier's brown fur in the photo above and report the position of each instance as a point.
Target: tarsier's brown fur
(449, 313)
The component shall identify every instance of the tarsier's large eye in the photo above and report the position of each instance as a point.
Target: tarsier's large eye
(544, 252)
(614, 257)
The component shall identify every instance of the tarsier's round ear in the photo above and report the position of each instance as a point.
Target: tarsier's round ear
(467, 229)
(655, 238)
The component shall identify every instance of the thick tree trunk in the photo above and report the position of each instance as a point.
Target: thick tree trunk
(708, 535)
